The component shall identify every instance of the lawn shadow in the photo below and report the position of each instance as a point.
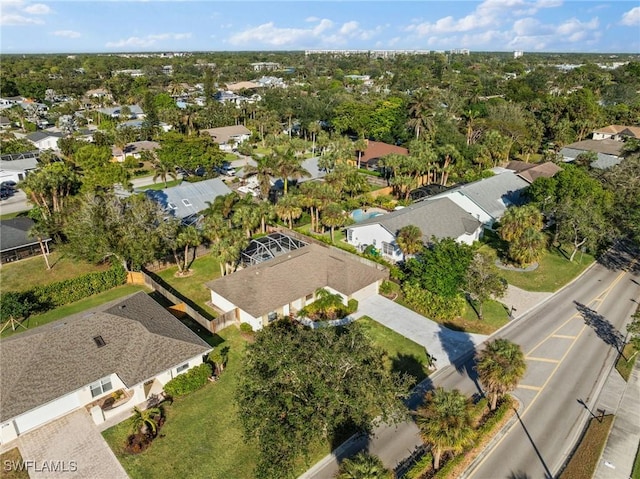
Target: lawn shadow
(409, 364)
(603, 328)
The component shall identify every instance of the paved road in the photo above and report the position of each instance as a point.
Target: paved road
(14, 204)
(568, 359)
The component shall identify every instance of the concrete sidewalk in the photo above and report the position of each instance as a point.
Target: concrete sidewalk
(620, 398)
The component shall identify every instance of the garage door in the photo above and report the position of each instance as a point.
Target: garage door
(366, 292)
(47, 412)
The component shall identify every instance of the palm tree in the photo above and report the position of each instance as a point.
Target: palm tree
(265, 171)
(40, 231)
(409, 240)
(361, 146)
(449, 155)
(288, 209)
(145, 420)
(445, 423)
(188, 237)
(419, 117)
(500, 366)
(161, 168)
(247, 217)
(363, 466)
(333, 216)
(289, 168)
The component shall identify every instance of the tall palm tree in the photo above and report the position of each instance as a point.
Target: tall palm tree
(445, 423)
(189, 237)
(500, 366)
(288, 209)
(145, 420)
(289, 168)
(247, 217)
(334, 217)
(409, 240)
(363, 466)
(361, 146)
(161, 169)
(420, 116)
(264, 170)
(448, 154)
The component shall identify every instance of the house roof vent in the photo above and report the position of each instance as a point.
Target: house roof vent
(99, 341)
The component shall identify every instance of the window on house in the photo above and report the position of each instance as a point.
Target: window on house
(101, 387)
(308, 297)
(349, 236)
(388, 249)
(182, 367)
(272, 316)
(99, 341)
(171, 205)
(373, 242)
(186, 202)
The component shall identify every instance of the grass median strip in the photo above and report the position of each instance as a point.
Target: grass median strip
(585, 458)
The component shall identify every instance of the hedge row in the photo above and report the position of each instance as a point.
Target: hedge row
(190, 381)
(43, 298)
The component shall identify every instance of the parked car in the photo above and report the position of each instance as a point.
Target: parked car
(8, 184)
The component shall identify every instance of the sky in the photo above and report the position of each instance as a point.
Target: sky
(111, 26)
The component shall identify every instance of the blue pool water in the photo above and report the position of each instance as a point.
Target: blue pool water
(361, 215)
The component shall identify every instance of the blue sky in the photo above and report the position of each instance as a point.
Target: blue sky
(65, 26)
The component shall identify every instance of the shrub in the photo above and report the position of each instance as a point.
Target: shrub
(352, 306)
(389, 288)
(131, 163)
(420, 467)
(246, 328)
(188, 382)
(432, 305)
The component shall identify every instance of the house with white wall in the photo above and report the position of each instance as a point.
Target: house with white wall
(228, 137)
(16, 166)
(281, 286)
(440, 218)
(131, 346)
(45, 140)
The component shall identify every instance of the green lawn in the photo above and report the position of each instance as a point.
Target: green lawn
(73, 308)
(202, 437)
(30, 272)
(403, 354)
(625, 362)
(204, 269)
(10, 462)
(9, 216)
(494, 315)
(635, 474)
(585, 458)
(554, 269)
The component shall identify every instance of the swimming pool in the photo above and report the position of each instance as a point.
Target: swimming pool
(361, 215)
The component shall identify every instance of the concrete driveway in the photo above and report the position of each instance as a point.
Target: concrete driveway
(70, 447)
(442, 343)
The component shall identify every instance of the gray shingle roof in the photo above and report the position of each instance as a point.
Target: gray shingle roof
(607, 146)
(603, 162)
(441, 218)
(18, 163)
(264, 287)
(188, 199)
(494, 194)
(13, 233)
(41, 135)
(142, 340)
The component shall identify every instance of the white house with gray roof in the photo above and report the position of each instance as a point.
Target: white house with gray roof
(440, 218)
(16, 166)
(45, 140)
(132, 346)
(187, 200)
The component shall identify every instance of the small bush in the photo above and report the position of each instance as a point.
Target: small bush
(188, 382)
(246, 328)
(352, 306)
(420, 467)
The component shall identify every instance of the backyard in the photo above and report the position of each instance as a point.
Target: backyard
(204, 269)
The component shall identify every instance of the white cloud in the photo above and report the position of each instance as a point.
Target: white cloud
(349, 27)
(530, 34)
(148, 41)
(17, 19)
(66, 34)
(631, 18)
(311, 19)
(37, 9)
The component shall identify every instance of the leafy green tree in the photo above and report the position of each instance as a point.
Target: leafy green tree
(444, 422)
(14, 307)
(300, 385)
(633, 328)
(441, 267)
(483, 281)
(363, 466)
(16, 145)
(99, 173)
(190, 152)
(51, 187)
(501, 366)
(409, 239)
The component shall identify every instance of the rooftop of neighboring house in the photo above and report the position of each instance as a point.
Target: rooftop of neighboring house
(136, 147)
(264, 287)
(42, 134)
(377, 149)
(441, 218)
(223, 134)
(141, 339)
(243, 85)
(531, 171)
(14, 233)
(607, 146)
(189, 199)
(632, 131)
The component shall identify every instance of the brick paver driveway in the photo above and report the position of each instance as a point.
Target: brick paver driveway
(73, 446)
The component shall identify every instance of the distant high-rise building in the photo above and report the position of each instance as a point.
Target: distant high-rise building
(518, 54)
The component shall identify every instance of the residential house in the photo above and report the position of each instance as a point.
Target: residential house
(531, 171)
(228, 97)
(243, 85)
(440, 218)
(187, 200)
(271, 82)
(617, 132)
(134, 149)
(5, 123)
(228, 137)
(265, 66)
(135, 112)
(488, 199)
(285, 284)
(608, 151)
(45, 140)
(15, 241)
(132, 346)
(16, 166)
(376, 150)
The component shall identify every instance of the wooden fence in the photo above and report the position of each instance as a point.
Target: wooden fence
(181, 304)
